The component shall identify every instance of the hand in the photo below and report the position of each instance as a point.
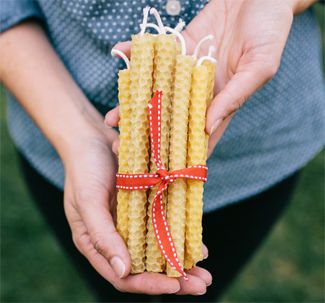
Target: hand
(249, 36)
(77, 132)
(90, 204)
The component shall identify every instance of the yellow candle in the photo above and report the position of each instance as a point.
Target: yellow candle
(211, 66)
(196, 155)
(164, 63)
(177, 155)
(123, 156)
(142, 54)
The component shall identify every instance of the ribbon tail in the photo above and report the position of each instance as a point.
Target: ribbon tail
(162, 232)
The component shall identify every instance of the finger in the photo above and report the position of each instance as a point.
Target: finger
(151, 283)
(191, 38)
(217, 134)
(201, 273)
(146, 283)
(86, 247)
(112, 117)
(102, 232)
(192, 35)
(124, 47)
(193, 286)
(243, 84)
(205, 251)
(115, 146)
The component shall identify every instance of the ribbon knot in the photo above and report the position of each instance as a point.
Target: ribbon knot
(164, 175)
(162, 178)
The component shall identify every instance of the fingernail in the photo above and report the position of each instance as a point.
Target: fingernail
(118, 266)
(205, 252)
(106, 118)
(215, 126)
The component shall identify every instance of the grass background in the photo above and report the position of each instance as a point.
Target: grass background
(288, 268)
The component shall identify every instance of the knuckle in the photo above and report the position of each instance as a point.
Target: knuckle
(100, 246)
(82, 196)
(77, 242)
(231, 107)
(146, 286)
(81, 242)
(234, 106)
(269, 70)
(120, 287)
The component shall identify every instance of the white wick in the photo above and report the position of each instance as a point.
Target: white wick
(150, 25)
(199, 45)
(145, 19)
(179, 27)
(209, 57)
(154, 12)
(211, 51)
(120, 54)
(180, 38)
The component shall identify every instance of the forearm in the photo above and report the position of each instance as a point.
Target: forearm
(32, 71)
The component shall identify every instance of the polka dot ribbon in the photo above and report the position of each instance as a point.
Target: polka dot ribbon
(163, 178)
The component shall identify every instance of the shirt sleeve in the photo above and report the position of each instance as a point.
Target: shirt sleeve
(13, 12)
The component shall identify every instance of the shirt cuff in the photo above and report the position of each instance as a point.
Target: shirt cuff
(15, 11)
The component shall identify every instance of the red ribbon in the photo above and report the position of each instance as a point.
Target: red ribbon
(163, 178)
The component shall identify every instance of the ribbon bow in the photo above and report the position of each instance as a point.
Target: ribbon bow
(163, 178)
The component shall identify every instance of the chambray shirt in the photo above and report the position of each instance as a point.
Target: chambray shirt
(278, 130)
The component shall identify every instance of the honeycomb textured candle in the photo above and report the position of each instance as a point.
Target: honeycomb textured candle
(164, 64)
(125, 135)
(142, 53)
(211, 75)
(177, 155)
(196, 154)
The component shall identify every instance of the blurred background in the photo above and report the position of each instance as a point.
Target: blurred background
(289, 267)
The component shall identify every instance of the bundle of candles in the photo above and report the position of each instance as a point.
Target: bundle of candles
(183, 83)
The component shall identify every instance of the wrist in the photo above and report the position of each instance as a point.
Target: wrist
(73, 133)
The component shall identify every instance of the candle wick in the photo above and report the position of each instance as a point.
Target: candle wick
(179, 27)
(199, 45)
(144, 20)
(211, 51)
(180, 38)
(154, 12)
(150, 25)
(209, 57)
(120, 54)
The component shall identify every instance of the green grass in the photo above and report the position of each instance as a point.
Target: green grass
(288, 268)
(290, 265)
(33, 266)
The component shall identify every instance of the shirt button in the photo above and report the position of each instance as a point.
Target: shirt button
(173, 7)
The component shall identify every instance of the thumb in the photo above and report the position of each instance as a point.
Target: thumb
(244, 83)
(103, 235)
(124, 47)
(112, 118)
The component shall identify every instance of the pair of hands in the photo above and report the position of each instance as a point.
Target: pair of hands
(250, 36)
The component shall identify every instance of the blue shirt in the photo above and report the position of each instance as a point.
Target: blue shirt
(278, 130)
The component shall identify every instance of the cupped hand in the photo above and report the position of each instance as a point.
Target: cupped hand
(90, 205)
(249, 36)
